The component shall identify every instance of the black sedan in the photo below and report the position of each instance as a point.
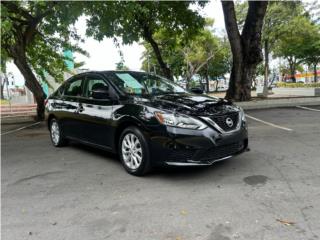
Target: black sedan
(146, 119)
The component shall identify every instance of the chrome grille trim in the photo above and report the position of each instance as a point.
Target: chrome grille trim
(216, 126)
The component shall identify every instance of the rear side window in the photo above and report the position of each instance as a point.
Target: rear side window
(73, 88)
(94, 84)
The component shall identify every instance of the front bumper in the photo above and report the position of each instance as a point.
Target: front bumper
(183, 147)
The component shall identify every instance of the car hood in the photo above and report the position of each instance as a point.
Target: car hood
(191, 104)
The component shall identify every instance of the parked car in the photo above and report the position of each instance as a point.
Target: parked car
(146, 119)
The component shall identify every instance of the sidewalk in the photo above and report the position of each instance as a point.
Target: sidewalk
(17, 113)
(26, 113)
(273, 101)
(279, 102)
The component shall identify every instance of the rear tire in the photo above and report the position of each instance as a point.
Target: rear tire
(56, 135)
(134, 152)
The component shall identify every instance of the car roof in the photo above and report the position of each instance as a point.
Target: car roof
(111, 71)
(105, 72)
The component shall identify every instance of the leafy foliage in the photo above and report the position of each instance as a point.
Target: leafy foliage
(127, 19)
(121, 66)
(133, 21)
(44, 44)
(292, 31)
(204, 54)
(34, 35)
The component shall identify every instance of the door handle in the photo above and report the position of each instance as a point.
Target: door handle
(80, 108)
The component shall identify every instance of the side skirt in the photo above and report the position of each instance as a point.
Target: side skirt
(109, 149)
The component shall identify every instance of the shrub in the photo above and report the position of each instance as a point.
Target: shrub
(297, 85)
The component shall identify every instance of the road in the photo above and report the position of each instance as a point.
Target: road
(76, 192)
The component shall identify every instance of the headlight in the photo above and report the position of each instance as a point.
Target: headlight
(242, 114)
(175, 120)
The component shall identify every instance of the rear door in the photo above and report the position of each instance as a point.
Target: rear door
(96, 113)
(73, 91)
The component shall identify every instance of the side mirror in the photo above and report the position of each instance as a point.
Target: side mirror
(196, 90)
(100, 93)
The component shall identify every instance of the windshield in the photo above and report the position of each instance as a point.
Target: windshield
(135, 83)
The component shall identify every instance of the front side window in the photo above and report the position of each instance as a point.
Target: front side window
(59, 91)
(95, 83)
(143, 84)
(73, 88)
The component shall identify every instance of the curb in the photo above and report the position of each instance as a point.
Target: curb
(275, 103)
(17, 120)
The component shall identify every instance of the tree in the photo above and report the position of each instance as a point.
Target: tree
(297, 43)
(284, 19)
(121, 66)
(219, 65)
(170, 48)
(199, 52)
(245, 47)
(135, 20)
(33, 35)
(204, 54)
(278, 16)
(4, 77)
(310, 50)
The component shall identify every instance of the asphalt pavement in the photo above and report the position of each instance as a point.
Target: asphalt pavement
(77, 192)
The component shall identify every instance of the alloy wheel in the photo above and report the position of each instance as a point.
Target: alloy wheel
(131, 151)
(55, 133)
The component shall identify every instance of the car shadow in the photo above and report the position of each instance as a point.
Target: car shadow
(190, 172)
(95, 151)
(216, 170)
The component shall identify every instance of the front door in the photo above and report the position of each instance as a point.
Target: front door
(96, 113)
(70, 104)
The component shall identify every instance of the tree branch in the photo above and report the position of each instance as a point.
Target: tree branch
(32, 26)
(13, 8)
(204, 63)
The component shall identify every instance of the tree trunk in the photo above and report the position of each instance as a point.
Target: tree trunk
(24, 33)
(266, 62)
(4, 81)
(166, 71)
(315, 72)
(200, 83)
(31, 83)
(207, 79)
(292, 71)
(217, 85)
(246, 48)
(2, 88)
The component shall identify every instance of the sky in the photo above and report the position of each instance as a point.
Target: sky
(104, 55)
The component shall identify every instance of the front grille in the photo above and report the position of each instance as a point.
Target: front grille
(222, 151)
(223, 120)
(180, 155)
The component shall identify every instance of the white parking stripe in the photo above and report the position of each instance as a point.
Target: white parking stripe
(18, 129)
(306, 108)
(268, 123)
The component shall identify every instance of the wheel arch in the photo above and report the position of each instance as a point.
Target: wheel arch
(125, 123)
(50, 117)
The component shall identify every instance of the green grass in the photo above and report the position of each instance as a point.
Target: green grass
(4, 102)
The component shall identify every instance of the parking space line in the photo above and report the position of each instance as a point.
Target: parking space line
(307, 108)
(268, 123)
(18, 129)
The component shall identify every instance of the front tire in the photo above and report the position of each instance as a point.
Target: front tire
(134, 152)
(56, 135)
